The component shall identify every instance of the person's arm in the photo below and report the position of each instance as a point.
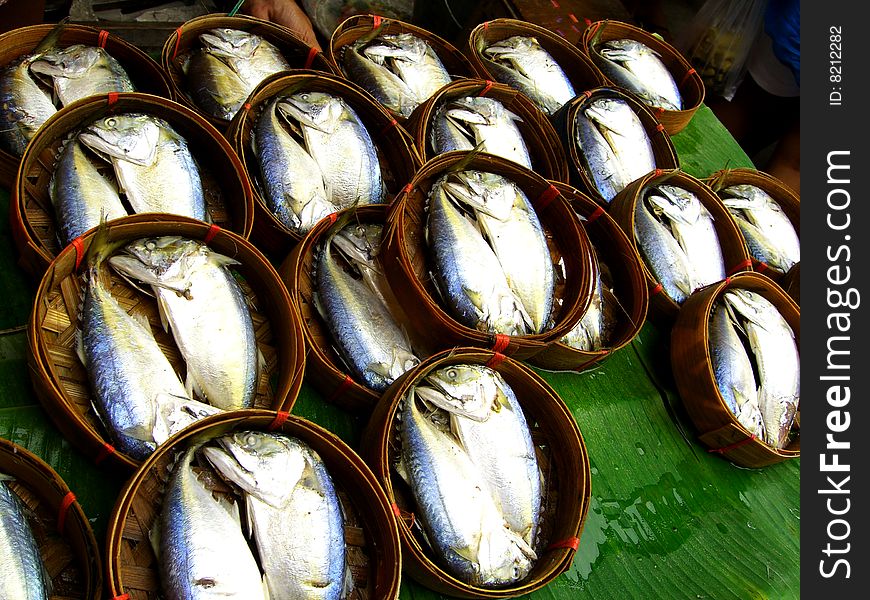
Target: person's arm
(284, 12)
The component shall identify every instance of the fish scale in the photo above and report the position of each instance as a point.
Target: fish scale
(24, 576)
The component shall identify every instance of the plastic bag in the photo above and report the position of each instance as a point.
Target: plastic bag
(717, 42)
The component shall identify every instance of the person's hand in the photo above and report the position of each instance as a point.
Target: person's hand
(286, 13)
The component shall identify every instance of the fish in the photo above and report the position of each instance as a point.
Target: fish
(81, 71)
(292, 181)
(625, 135)
(768, 232)
(467, 272)
(152, 162)
(776, 356)
(602, 165)
(137, 393)
(340, 144)
(590, 333)
(692, 225)
(412, 59)
(202, 551)
(360, 244)
(732, 368)
(24, 105)
(512, 228)
(662, 255)
(500, 445)
(295, 514)
(386, 86)
(80, 194)
(638, 68)
(522, 63)
(462, 521)
(373, 345)
(227, 67)
(483, 122)
(24, 574)
(203, 306)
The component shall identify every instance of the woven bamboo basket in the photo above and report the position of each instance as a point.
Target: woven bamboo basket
(60, 379)
(298, 53)
(561, 455)
(398, 157)
(407, 265)
(791, 283)
(227, 191)
(663, 149)
(579, 68)
(545, 147)
(689, 82)
(734, 251)
(718, 428)
(371, 533)
(63, 533)
(357, 26)
(621, 271)
(144, 71)
(783, 195)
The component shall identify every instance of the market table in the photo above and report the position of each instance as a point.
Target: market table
(667, 519)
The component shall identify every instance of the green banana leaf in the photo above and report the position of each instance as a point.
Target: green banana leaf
(667, 519)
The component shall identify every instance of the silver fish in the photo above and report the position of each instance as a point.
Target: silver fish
(152, 162)
(446, 135)
(80, 194)
(468, 273)
(337, 139)
(24, 575)
(204, 307)
(387, 87)
(624, 132)
(292, 181)
(662, 254)
(522, 63)
(413, 60)
(638, 68)
(602, 165)
(203, 553)
(462, 520)
(776, 356)
(80, 71)
(732, 369)
(360, 243)
(590, 332)
(514, 232)
(294, 511)
(366, 334)
(24, 105)
(769, 233)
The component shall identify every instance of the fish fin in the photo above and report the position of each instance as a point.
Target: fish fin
(402, 471)
(80, 346)
(52, 37)
(347, 584)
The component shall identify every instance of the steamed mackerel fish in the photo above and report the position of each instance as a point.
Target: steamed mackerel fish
(153, 164)
(768, 232)
(204, 307)
(364, 331)
(226, 68)
(292, 181)
(464, 123)
(638, 68)
(593, 330)
(338, 141)
(661, 252)
(468, 274)
(522, 63)
(24, 105)
(776, 355)
(294, 512)
(79, 71)
(24, 575)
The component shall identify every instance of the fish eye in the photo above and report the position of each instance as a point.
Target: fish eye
(452, 374)
(250, 440)
(111, 122)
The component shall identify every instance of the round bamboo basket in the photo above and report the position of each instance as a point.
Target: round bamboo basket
(579, 68)
(324, 368)
(398, 157)
(663, 148)
(144, 71)
(407, 264)
(561, 455)
(63, 533)
(226, 187)
(718, 428)
(298, 53)
(621, 270)
(780, 192)
(545, 147)
(791, 283)
(371, 534)
(357, 26)
(59, 377)
(734, 251)
(689, 82)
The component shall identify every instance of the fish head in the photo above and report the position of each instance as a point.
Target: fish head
(404, 46)
(505, 557)
(163, 261)
(360, 241)
(319, 110)
(230, 43)
(486, 192)
(131, 137)
(513, 45)
(679, 204)
(71, 62)
(470, 390)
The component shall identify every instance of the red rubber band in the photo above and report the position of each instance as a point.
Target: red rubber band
(389, 126)
(113, 97)
(599, 210)
(746, 264)
(247, 106)
(688, 74)
(658, 172)
(333, 217)
(79, 245)
(177, 42)
(68, 501)
(595, 28)
(105, 452)
(554, 3)
(122, 597)
(727, 281)
(496, 360)
(660, 127)
(760, 266)
(572, 543)
(486, 88)
(573, 18)
(588, 21)
(102, 38)
(312, 54)
(501, 343)
(280, 418)
(213, 230)
(545, 199)
(486, 26)
(376, 21)
(407, 189)
(657, 289)
(587, 93)
(396, 510)
(341, 389)
(742, 442)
